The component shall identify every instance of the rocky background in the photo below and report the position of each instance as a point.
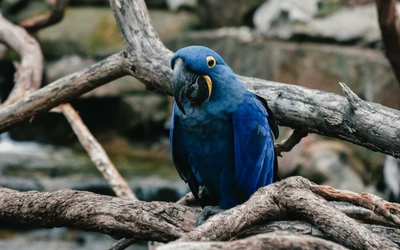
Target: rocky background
(313, 43)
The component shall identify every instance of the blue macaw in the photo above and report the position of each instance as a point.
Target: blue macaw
(221, 134)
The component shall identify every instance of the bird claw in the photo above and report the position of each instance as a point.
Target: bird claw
(203, 192)
(206, 212)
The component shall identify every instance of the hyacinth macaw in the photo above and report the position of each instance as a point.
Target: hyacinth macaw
(221, 134)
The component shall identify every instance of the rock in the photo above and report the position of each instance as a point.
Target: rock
(220, 13)
(366, 71)
(286, 20)
(325, 162)
(391, 173)
(176, 5)
(143, 110)
(100, 36)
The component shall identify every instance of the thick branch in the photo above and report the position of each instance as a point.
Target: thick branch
(160, 221)
(38, 22)
(97, 153)
(118, 217)
(29, 71)
(62, 90)
(389, 23)
(306, 228)
(290, 197)
(388, 210)
(276, 240)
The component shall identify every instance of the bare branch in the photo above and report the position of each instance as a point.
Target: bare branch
(97, 153)
(160, 221)
(62, 90)
(389, 23)
(306, 228)
(275, 240)
(291, 196)
(362, 214)
(388, 210)
(118, 217)
(288, 144)
(38, 22)
(29, 71)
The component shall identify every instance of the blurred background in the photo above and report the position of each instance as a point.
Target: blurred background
(312, 43)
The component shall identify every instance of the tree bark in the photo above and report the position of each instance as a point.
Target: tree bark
(280, 240)
(118, 217)
(294, 197)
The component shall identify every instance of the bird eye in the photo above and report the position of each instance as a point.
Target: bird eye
(211, 61)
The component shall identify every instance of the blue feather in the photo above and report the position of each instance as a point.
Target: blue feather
(225, 144)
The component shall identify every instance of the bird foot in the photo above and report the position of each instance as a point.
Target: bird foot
(207, 212)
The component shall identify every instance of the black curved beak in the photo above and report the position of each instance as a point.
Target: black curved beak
(181, 79)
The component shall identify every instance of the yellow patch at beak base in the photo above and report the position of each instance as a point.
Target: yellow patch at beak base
(209, 84)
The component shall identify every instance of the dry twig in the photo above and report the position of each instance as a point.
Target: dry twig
(39, 22)
(288, 144)
(97, 153)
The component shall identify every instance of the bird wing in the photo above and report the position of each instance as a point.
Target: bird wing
(178, 152)
(182, 162)
(253, 145)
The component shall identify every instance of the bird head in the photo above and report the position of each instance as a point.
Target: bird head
(196, 71)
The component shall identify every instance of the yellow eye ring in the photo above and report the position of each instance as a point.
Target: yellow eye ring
(211, 62)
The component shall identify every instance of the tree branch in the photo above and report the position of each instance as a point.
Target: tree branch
(118, 217)
(288, 144)
(290, 197)
(389, 23)
(275, 240)
(97, 153)
(38, 22)
(293, 197)
(28, 76)
(388, 210)
(306, 228)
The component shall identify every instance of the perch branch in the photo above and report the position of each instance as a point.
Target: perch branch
(308, 229)
(97, 153)
(291, 196)
(38, 22)
(388, 210)
(288, 144)
(147, 59)
(389, 24)
(280, 240)
(362, 214)
(115, 216)
(28, 76)
(160, 221)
